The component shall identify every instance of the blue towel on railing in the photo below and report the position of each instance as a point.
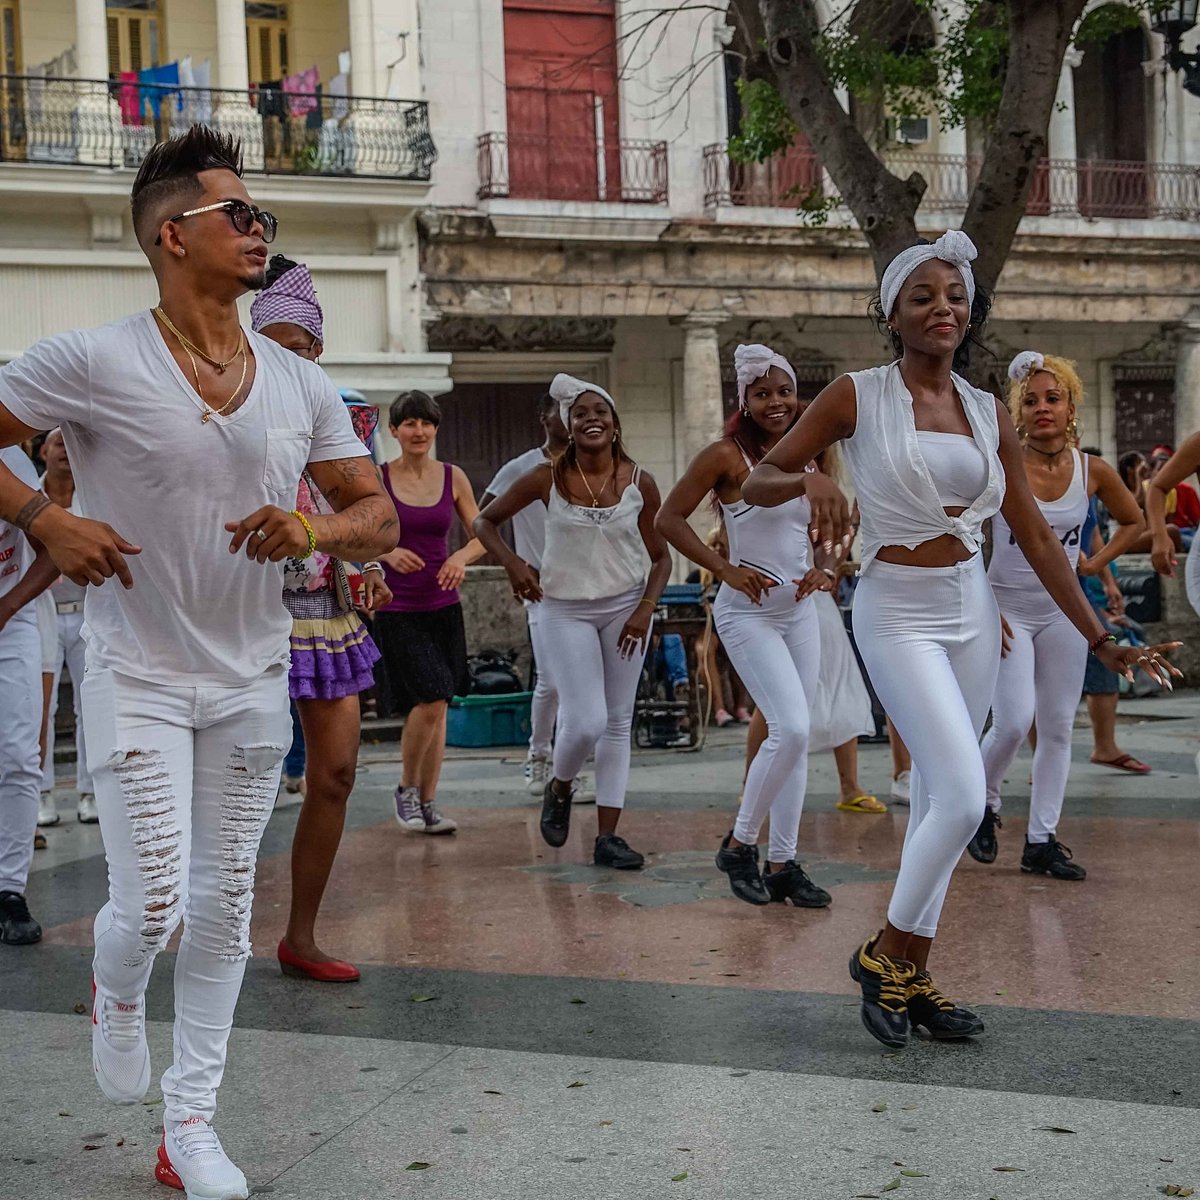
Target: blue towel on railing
(156, 84)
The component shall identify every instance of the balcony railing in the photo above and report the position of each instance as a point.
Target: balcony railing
(114, 124)
(528, 167)
(1062, 187)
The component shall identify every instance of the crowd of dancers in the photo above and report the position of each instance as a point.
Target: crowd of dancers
(176, 509)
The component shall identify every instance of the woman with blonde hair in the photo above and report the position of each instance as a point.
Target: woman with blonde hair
(1043, 654)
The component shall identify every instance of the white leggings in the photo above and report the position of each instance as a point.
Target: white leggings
(185, 780)
(544, 707)
(597, 688)
(69, 648)
(930, 639)
(1041, 679)
(20, 720)
(776, 651)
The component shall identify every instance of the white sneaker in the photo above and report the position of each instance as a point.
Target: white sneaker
(537, 774)
(408, 809)
(901, 787)
(86, 811)
(47, 810)
(433, 820)
(585, 789)
(120, 1055)
(192, 1159)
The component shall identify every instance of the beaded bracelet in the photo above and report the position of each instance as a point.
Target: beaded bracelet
(308, 529)
(1096, 643)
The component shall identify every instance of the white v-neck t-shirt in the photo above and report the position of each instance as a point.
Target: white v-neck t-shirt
(145, 463)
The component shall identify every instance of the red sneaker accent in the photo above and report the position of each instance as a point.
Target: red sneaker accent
(94, 1021)
(164, 1172)
(323, 972)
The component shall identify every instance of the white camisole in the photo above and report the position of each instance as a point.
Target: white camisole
(593, 553)
(956, 465)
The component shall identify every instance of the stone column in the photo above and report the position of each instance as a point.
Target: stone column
(97, 120)
(1060, 136)
(702, 411)
(1187, 377)
(372, 126)
(232, 112)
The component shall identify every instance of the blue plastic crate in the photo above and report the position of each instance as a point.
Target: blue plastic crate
(489, 720)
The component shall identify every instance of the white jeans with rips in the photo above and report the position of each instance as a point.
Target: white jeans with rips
(185, 781)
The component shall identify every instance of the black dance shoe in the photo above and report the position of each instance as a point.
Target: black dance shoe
(939, 1017)
(983, 846)
(791, 885)
(884, 986)
(1050, 858)
(740, 863)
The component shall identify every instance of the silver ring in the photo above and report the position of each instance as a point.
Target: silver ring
(258, 533)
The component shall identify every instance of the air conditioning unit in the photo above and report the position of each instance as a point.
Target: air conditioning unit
(910, 130)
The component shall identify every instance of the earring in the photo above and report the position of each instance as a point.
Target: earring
(1073, 429)
(614, 439)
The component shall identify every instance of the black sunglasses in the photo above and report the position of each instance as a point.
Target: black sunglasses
(242, 215)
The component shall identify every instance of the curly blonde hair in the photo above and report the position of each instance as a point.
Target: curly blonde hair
(1064, 370)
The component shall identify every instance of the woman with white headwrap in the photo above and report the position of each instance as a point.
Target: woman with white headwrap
(766, 620)
(598, 602)
(1043, 653)
(932, 458)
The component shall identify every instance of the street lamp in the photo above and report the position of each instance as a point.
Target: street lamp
(1173, 21)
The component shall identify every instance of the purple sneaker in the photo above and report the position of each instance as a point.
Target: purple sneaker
(408, 809)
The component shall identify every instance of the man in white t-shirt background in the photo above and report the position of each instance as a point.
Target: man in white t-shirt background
(529, 540)
(23, 576)
(187, 438)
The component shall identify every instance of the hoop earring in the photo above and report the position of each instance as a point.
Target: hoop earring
(1073, 429)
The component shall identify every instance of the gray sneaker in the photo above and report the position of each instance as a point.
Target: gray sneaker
(408, 809)
(434, 822)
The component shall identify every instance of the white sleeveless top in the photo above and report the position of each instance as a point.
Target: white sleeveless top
(956, 465)
(897, 496)
(774, 541)
(1014, 581)
(593, 553)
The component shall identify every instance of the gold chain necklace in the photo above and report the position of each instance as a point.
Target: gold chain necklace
(218, 366)
(595, 498)
(209, 411)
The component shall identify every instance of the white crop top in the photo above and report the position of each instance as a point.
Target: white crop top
(1067, 515)
(956, 465)
(593, 553)
(897, 496)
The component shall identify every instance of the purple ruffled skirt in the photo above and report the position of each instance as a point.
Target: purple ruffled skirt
(332, 655)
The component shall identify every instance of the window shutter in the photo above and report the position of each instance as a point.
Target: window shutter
(114, 46)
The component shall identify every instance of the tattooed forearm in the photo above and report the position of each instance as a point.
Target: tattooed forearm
(30, 511)
(365, 529)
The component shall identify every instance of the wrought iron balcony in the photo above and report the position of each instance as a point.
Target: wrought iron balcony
(1062, 187)
(531, 167)
(114, 124)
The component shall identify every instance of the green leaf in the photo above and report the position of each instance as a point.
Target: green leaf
(418, 1166)
(577, 1000)
(891, 1187)
(880, 1107)
(492, 1092)
(680, 1177)
(1010, 1170)
(577, 1083)
(417, 998)
(911, 1174)
(1054, 1129)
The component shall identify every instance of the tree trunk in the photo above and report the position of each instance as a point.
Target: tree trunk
(884, 206)
(1039, 34)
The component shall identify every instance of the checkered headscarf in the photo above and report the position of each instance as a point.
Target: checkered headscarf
(290, 298)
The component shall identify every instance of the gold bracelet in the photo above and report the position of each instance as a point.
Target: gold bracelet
(647, 600)
(308, 529)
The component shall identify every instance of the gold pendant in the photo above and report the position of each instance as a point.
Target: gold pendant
(204, 418)
(220, 368)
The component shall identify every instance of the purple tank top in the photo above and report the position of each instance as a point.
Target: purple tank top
(425, 530)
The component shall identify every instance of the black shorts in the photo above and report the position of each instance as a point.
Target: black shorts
(425, 655)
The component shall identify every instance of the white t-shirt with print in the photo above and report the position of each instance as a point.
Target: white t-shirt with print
(15, 551)
(529, 525)
(145, 463)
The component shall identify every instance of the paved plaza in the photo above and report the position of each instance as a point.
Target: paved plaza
(528, 1025)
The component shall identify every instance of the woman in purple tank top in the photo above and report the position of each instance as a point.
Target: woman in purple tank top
(421, 630)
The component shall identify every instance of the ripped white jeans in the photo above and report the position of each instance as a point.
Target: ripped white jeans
(185, 781)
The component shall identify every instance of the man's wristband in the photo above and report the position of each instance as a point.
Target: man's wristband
(372, 566)
(1096, 643)
(308, 529)
(31, 510)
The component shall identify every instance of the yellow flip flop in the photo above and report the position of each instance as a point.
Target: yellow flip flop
(862, 804)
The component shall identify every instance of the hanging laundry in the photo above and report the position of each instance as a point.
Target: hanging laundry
(159, 84)
(267, 97)
(339, 103)
(203, 105)
(128, 98)
(300, 90)
(344, 62)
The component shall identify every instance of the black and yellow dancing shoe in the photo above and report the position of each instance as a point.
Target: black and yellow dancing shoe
(884, 986)
(941, 1018)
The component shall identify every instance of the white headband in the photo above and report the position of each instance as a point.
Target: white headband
(566, 389)
(1025, 364)
(954, 247)
(753, 362)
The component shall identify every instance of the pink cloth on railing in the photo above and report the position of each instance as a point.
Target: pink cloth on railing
(300, 90)
(128, 99)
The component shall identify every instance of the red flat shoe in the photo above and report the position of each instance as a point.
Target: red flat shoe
(336, 971)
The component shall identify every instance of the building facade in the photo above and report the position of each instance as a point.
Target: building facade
(327, 98)
(585, 216)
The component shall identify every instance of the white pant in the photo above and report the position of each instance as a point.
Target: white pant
(20, 724)
(1041, 678)
(930, 639)
(544, 706)
(776, 651)
(69, 648)
(185, 780)
(597, 688)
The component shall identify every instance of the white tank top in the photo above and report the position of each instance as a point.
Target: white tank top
(593, 553)
(775, 541)
(1009, 571)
